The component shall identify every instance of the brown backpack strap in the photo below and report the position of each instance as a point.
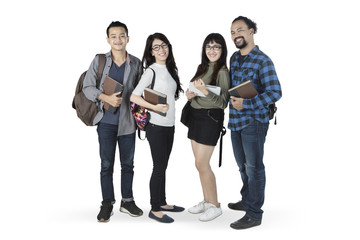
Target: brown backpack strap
(100, 70)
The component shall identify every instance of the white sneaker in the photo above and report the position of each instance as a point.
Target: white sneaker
(199, 208)
(210, 213)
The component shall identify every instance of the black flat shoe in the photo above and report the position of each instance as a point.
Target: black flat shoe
(237, 206)
(174, 209)
(163, 219)
(245, 223)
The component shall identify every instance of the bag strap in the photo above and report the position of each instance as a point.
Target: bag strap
(139, 134)
(222, 133)
(153, 79)
(275, 109)
(100, 70)
(151, 86)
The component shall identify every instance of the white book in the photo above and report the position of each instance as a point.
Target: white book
(211, 88)
(214, 89)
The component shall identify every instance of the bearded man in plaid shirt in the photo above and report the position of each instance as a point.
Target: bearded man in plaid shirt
(249, 119)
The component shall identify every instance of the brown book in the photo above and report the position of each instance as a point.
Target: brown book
(111, 86)
(154, 97)
(244, 90)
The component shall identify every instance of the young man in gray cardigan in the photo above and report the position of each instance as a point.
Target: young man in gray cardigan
(118, 127)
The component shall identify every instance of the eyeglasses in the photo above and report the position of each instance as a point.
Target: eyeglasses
(157, 47)
(215, 47)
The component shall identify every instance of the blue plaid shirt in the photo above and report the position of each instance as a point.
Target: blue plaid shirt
(258, 68)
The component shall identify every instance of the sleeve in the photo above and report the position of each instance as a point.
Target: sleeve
(271, 85)
(223, 80)
(139, 72)
(89, 84)
(144, 82)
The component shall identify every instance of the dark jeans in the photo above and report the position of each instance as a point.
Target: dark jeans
(248, 147)
(161, 141)
(107, 139)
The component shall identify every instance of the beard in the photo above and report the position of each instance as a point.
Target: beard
(241, 46)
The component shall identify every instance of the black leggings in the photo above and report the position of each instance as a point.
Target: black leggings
(161, 141)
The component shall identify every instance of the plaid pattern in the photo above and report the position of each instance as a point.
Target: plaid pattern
(258, 68)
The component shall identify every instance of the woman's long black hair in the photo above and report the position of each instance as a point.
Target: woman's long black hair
(148, 59)
(220, 63)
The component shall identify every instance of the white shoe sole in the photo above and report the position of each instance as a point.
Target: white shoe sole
(203, 219)
(195, 212)
(124, 210)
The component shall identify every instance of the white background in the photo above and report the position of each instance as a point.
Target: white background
(50, 165)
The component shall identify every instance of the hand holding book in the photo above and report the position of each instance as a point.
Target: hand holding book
(190, 94)
(158, 99)
(199, 88)
(111, 100)
(163, 108)
(240, 92)
(114, 99)
(113, 89)
(244, 90)
(237, 103)
(200, 85)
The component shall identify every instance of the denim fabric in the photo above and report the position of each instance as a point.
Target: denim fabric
(161, 141)
(248, 147)
(108, 138)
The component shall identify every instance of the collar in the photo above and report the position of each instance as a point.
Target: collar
(254, 51)
(128, 56)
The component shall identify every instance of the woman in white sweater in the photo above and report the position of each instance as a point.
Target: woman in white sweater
(160, 131)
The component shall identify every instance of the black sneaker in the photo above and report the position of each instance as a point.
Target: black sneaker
(105, 211)
(130, 208)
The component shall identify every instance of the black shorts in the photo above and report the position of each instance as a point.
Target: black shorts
(205, 125)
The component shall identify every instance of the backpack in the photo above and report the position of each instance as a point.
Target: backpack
(86, 109)
(272, 111)
(140, 114)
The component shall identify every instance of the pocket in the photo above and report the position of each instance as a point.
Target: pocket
(248, 74)
(216, 115)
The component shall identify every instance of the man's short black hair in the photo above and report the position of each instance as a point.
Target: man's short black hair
(248, 22)
(117, 24)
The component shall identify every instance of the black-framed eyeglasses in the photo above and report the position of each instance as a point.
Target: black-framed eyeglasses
(157, 47)
(215, 47)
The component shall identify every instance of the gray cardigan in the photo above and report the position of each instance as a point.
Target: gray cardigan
(133, 72)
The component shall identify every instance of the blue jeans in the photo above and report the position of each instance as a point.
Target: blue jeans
(248, 147)
(107, 139)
